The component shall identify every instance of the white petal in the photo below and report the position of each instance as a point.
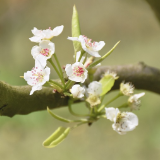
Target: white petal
(27, 76)
(35, 39)
(40, 59)
(35, 51)
(77, 91)
(99, 45)
(57, 30)
(111, 113)
(47, 73)
(137, 96)
(35, 88)
(73, 38)
(95, 88)
(93, 53)
(68, 69)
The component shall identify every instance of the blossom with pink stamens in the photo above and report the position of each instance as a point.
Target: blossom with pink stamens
(90, 47)
(43, 52)
(37, 77)
(47, 34)
(76, 72)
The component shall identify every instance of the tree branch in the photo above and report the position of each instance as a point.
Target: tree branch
(16, 99)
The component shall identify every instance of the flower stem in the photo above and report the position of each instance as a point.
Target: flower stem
(78, 124)
(125, 105)
(102, 58)
(82, 53)
(56, 83)
(103, 106)
(53, 65)
(72, 112)
(69, 84)
(59, 66)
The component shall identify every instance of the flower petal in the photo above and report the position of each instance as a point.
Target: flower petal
(57, 30)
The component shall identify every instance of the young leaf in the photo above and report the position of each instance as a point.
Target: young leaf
(76, 30)
(58, 117)
(57, 137)
(107, 83)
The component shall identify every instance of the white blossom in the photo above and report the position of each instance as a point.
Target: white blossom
(37, 77)
(43, 52)
(122, 122)
(77, 91)
(134, 101)
(88, 46)
(76, 72)
(47, 34)
(95, 88)
(126, 88)
(113, 74)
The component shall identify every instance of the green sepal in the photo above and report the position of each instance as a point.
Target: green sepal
(76, 30)
(107, 83)
(57, 137)
(68, 94)
(58, 117)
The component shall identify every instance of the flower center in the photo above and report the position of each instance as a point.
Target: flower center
(78, 71)
(45, 52)
(88, 42)
(37, 76)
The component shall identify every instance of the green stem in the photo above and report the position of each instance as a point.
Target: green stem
(72, 112)
(78, 125)
(82, 53)
(69, 84)
(56, 83)
(125, 105)
(85, 59)
(103, 106)
(59, 66)
(102, 58)
(53, 65)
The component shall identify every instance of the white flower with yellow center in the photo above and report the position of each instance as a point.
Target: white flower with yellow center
(134, 101)
(44, 51)
(77, 91)
(123, 122)
(76, 72)
(47, 34)
(37, 77)
(94, 90)
(126, 89)
(88, 46)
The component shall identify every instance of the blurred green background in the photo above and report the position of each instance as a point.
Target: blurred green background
(132, 22)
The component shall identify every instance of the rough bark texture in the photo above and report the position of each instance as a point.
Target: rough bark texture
(16, 99)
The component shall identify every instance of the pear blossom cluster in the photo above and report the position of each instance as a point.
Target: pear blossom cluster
(39, 75)
(76, 81)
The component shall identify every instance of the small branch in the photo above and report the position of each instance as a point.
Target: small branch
(16, 99)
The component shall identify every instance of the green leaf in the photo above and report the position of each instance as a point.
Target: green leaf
(76, 30)
(58, 117)
(107, 83)
(57, 137)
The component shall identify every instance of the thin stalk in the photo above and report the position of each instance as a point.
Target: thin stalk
(78, 125)
(82, 53)
(103, 106)
(102, 58)
(125, 105)
(59, 66)
(56, 83)
(53, 65)
(72, 112)
(68, 86)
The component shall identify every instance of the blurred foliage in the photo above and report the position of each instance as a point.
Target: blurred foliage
(130, 21)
